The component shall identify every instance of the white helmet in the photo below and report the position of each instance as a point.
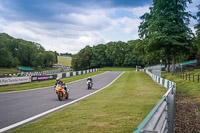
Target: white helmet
(57, 78)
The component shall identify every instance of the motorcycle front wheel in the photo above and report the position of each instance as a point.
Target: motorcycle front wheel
(67, 97)
(60, 96)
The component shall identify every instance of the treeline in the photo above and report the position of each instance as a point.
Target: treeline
(115, 54)
(15, 52)
(164, 38)
(66, 54)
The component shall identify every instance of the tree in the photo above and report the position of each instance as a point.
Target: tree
(166, 28)
(115, 51)
(76, 62)
(25, 53)
(196, 42)
(6, 59)
(49, 58)
(130, 59)
(99, 58)
(82, 59)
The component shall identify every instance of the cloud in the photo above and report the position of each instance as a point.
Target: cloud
(129, 25)
(69, 26)
(192, 7)
(55, 40)
(92, 21)
(139, 11)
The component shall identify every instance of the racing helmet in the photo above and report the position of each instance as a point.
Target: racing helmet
(57, 78)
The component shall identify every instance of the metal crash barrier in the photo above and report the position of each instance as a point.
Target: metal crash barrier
(161, 118)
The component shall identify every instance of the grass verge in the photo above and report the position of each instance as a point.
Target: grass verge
(118, 108)
(37, 84)
(15, 70)
(8, 70)
(186, 87)
(187, 113)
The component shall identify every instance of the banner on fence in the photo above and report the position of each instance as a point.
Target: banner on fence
(42, 77)
(14, 80)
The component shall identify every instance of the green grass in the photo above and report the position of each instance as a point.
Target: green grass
(40, 84)
(118, 108)
(45, 69)
(8, 70)
(15, 70)
(64, 60)
(196, 71)
(186, 87)
(117, 69)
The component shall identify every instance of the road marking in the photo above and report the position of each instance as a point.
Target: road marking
(54, 109)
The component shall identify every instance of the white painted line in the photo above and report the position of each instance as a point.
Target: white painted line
(48, 86)
(52, 110)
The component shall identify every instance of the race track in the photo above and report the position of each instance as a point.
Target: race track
(22, 105)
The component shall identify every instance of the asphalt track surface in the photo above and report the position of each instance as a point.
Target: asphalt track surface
(21, 105)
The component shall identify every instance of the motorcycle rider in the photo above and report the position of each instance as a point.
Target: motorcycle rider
(89, 79)
(58, 81)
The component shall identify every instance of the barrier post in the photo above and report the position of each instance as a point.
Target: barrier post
(171, 110)
(186, 76)
(189, 76)
(193, 77)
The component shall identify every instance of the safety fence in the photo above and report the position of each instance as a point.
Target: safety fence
(31, 73)
(161, 117)
(187, 65)
(24, 79)
(188, 76)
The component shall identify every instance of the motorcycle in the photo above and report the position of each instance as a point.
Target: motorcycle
(61, 92)
(90, 84)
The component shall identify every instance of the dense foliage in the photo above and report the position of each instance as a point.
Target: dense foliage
(197, 39)
(165, 29)
(16, 52)
(66, 54)
(110, 54)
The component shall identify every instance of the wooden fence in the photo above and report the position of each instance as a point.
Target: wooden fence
(189, 76)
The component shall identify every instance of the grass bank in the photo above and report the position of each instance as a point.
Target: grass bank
(187, 111)
(47, 83)
(186, 87)
(15, 70)
(64, 60)
(8, 70)
(118, 108)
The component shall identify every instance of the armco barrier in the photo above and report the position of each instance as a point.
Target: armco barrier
(161, 118)
(17, 80)
(70, 74)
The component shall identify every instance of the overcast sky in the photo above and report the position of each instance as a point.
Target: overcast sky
(70, 25)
